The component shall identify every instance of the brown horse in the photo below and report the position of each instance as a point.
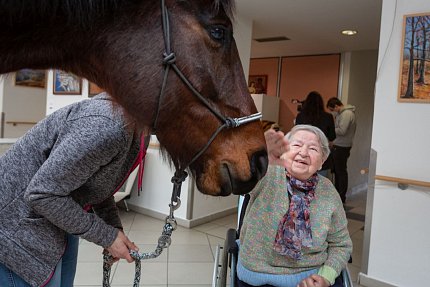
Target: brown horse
(119, 45)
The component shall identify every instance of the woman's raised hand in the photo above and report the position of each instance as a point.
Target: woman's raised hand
(276, 146)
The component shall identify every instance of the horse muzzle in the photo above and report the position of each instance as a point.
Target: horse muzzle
(231, 183)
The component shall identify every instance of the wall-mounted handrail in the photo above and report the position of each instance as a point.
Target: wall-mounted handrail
(14, 123)
(403, 180)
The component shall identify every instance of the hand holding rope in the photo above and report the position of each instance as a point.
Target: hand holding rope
(164, 241)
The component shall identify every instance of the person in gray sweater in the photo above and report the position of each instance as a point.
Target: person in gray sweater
(345, 126)
(69, 163)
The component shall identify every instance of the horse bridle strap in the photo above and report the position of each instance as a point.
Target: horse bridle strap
(180, 175)
(169, 61)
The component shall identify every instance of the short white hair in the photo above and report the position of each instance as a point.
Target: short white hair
(321, 137)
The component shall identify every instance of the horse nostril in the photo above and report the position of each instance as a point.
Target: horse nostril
(259, 162)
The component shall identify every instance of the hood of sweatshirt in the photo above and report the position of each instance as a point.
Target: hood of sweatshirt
(347, 107)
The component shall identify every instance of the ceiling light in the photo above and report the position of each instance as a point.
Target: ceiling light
(349, 32)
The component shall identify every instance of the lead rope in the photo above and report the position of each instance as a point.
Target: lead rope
(164, 241)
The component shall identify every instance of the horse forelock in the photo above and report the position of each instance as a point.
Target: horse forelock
(76, 12)
(227, 5)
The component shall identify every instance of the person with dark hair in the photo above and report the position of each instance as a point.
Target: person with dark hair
(313, 113)
(345, 126)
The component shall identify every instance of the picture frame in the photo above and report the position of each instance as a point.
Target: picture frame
(257, 84)
(93, 89)
(30, 78)
(414, 78)
(66, 83)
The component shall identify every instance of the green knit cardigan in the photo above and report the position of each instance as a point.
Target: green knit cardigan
(332, 245)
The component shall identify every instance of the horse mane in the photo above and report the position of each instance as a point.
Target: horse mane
(76, 12)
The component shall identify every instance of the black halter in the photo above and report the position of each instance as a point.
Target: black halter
(169, 61)
(164, 240)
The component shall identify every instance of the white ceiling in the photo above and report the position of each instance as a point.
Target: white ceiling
(313, 26)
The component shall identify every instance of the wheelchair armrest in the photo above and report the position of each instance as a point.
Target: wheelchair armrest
(230, 241)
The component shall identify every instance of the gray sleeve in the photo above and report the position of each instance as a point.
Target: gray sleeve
(344, 122)
(339, 242)
(108, 211)
(88, 144)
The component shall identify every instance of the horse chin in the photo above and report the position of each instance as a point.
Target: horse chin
(233, 185)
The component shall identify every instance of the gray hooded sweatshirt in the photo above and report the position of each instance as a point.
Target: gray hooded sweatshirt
(345, 125)
(74, 158)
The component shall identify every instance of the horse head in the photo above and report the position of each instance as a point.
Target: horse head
(201, 40)
(126, 51)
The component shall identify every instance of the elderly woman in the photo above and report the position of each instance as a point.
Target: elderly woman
(295, 230)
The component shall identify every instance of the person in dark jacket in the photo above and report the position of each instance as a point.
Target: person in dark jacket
(313, 113)
(69, 163)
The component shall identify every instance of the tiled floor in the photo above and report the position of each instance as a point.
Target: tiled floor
(190, 259)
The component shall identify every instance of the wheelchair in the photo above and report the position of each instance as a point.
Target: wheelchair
(226, 256)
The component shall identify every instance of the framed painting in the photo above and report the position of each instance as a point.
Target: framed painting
(414, 80)
(257, 84)
(30, 78)
(66, 83)
(93, 89)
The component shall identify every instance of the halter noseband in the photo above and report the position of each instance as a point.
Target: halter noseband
(164, 241)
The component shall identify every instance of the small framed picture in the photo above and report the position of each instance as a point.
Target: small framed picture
(66, 83)
(93, 89)
(30, 78)
(257, 84)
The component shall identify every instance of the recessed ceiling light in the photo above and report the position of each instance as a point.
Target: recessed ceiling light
(349, 32)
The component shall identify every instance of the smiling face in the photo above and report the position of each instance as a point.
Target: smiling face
(304, 156)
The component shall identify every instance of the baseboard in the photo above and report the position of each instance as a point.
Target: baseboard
(183, 222)
(367, 281)
(211, 217)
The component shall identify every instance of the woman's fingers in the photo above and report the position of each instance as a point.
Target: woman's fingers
(276, 146)
(121, 247)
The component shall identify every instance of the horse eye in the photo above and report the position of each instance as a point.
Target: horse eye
(217, 33)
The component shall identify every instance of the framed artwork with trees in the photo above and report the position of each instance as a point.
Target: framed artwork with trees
(414, 82)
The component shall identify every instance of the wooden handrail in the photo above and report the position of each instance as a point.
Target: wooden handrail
(403, 180)
(14, 123)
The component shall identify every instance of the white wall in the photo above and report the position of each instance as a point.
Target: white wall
(21, 104)
(399, 249)
(360, 92)
(243, 37)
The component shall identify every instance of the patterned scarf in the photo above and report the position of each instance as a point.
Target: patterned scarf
(294, 229)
